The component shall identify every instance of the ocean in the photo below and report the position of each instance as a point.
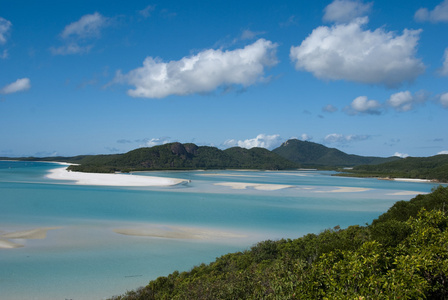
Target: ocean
(101, 241)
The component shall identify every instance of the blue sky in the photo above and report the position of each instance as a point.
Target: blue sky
(90, 77)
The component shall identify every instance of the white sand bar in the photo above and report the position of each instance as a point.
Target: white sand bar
(5, 244)
(37, 233)
(345, 189)
(176, 232)
(256, 186)
(112, 179)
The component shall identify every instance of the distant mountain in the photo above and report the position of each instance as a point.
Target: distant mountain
(177, 156)
(431, 168)
(316, 155)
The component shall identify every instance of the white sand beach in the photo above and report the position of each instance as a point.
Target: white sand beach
(5, 244)
(256, 186)
(406, 193)
(176, 232)
(411, 180)
(112, 179)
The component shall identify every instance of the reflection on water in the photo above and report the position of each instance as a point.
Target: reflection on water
(109, 239)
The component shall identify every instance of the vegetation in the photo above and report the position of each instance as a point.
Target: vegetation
(177, 156)
(402, 255)
(309, 154)
(432, 168)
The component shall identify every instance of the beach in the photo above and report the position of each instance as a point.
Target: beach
(112, 179)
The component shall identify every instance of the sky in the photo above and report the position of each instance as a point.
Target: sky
(102, 77)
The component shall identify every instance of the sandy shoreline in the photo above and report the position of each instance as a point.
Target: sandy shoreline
(176, 232)
(112, 179)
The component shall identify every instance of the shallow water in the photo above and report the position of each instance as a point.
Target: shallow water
(85, 259)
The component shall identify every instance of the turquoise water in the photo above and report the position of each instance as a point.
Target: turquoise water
(85, 259)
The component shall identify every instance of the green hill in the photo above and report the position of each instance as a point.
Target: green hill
(177, 156)
(432, 168)
(309, 154)
(402, 255)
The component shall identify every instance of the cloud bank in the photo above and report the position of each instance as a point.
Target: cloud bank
(19, 85)
(336, 138)
(201, 73)
(438, 14)
(345, 10)
(75, 34)
(348, 52)
(262, 140)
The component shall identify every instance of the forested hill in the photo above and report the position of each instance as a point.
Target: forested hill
(177, 156)
(402, 255)
(309, 154)
(432, 168)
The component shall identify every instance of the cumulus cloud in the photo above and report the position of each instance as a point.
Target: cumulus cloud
(405, 101)
(306, 137)
(345, 10)
(361, 105)
(348, 52)
(19, 85)
(262, 141)
(443, 152)
(77, 33)
(329, 108)
(5, 26)
(336, 138)
(402, 155)
(202, 72)
(438, 14)
(156, 141)
(444, 100)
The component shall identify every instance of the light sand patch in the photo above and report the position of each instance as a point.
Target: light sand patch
(406, 193)
(37, 233)
(411, 180)
(227, 175)
(5, 244)
(112, 179)
(256, 186)
(175, 232)
(344, 189)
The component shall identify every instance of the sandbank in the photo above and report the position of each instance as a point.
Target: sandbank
(406, 193)
(112, 179)
(256, 186)
(176, 232)
(36, 233)
(345, 189)
(5, 244)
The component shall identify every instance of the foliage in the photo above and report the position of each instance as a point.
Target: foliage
(316, 155)
(433, 168)
(400, 256)
(177, 156)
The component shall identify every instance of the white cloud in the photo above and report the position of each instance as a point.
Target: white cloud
(405, 101)
(75, 34)
(19, 85)
(438, 14)
(156, 141)
(402, 155)
(329, 108)
(87, 26)
(306, 137)
(361, 105)
(345, 10)
(202, 72)
(336, 138)
(262, 141)
(5, 26)
(443, 152)
(347, 52)
(444, 100)
(444, 69)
